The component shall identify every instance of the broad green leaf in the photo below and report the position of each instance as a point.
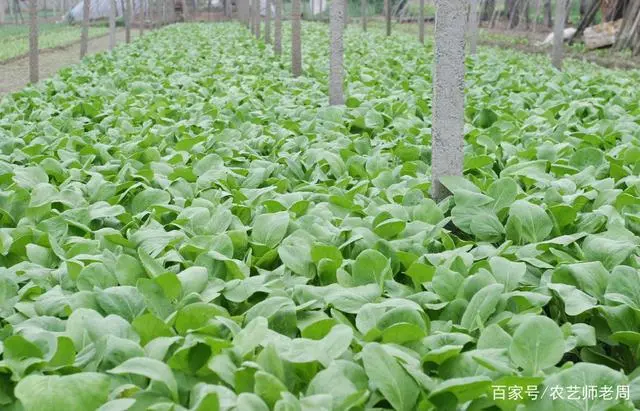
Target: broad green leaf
(342, 379)
(610, 251)
(150, 327)
(591, 277)
(125, 301)
(82, 391)
(507, 272)
(481, 306)
(494, 337)
(251, 402)
(371, 266)
(295, 253)
(268, 387)
(270, 229)
(447, 283)
(250, 336)
(587, 374)
(279, 311)
(504, 192)
(527, 223)
(537, 344)
(196, 315)
(575, 301)
(96, 275)
(387, 376)
(624, 287)
(464, 389)
(145, 199)
(150, 368)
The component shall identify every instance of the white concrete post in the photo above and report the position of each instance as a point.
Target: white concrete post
(558, 33)
(448, 93)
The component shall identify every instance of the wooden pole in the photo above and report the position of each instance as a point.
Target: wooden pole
(336, 74)
(112, 24)
(363, 13)
(387, 14)
(164, 12)
(345, 17)
(421, 23)
(17, 11)
(523, 20)
(473, 27)
(514, 13)
(535, 18)
(158, 14)
(494, 17)
(257, 16)
(127, 20)
(277, 36)
(296, 41)
(149, 12)
(267, 23)
(153, 14)
(547, 13)
(586, 21)
(448, 94)
(185, 10)
(34, 69)
(629, 35)
(141, 19)
(252, 17)
(84, 35)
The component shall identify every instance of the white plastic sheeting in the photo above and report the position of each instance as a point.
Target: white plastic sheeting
(263, 8)
(318, 6)
(99, 9)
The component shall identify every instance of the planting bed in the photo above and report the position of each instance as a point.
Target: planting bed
(185, 226)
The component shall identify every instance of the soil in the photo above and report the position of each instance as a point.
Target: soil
(604, 58)
(14, 75)
(526, 41)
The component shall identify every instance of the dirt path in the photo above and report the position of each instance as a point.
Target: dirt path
(15, 74)
(525, 41)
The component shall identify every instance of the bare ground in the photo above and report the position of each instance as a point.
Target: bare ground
(526, 41)
(606, 58)
(14, 75)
